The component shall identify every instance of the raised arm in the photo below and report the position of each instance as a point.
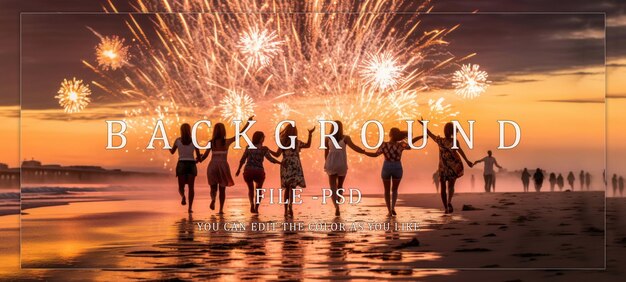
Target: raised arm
(308, 141)
(430, 134)
(268, 156)
(276, 154)
(232, 139)
(415, 139)
(479, 161)
(470, 164)
(353, 146)
(373, 154)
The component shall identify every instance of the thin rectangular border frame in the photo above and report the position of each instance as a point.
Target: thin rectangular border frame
(347, 12)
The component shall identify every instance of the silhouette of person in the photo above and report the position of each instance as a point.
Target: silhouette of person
(560, 182)
(254, 173)
(450, 164)
(581, 178)
(218, 170)
(489, 174)
(604, 177)
(186, 170)
(538, 177)
(588, 180)
(552, 181)
(525, 179)
(291, 173)
(473, 181)
(614, 184)
(436, 180)
(392, 167)
(336, 162)
(570, 180)
(621, 186)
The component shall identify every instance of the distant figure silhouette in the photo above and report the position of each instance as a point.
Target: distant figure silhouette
(560, 181)
(581, 178)
(525, 179)
(436, 180)
(570, 180)
(538, 177)
(604, 177)
(614, 184)
(186, 170)
(291, 173)
(336, 162)
(473, 180)
(489, 174)
(450, 164)
(218, 170)
(254, 172)
(392, 167)
(552, 181)
(588, 180)
(621, 186)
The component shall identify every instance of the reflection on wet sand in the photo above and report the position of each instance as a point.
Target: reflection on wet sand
(141, 240)
(292, 255)
(338, 253)
(218, 254)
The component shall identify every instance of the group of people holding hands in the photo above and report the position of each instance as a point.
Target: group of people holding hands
(291, 173)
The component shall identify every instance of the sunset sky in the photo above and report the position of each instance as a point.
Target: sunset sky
(547, 70)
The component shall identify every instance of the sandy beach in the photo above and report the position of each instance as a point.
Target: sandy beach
(155, 238)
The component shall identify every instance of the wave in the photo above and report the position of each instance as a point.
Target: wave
(79, 189)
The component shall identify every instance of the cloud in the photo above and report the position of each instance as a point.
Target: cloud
(597, 33)
(92, 112)
(10, 111)
(501, 80)
(616, 96)
(578, 73)
(616, 65)
(576, 101)
(616, 21)
(60, 115)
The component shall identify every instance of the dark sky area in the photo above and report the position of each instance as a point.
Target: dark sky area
(510, 43)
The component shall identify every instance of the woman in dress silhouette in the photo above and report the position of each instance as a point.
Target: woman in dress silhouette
(291, 174)
(336, 162)
(186, 169)
(218, 171)
(254, 173)
(450, 164)
(392, 167)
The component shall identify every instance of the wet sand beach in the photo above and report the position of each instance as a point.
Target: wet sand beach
(155, 238)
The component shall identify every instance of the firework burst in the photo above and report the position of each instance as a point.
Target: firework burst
(259, 47)
(439, 112)
(381, 71)
(282, 111)
(236, 106)
(111, 53)
(326, 64)
(73, 95)
(470, 81)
